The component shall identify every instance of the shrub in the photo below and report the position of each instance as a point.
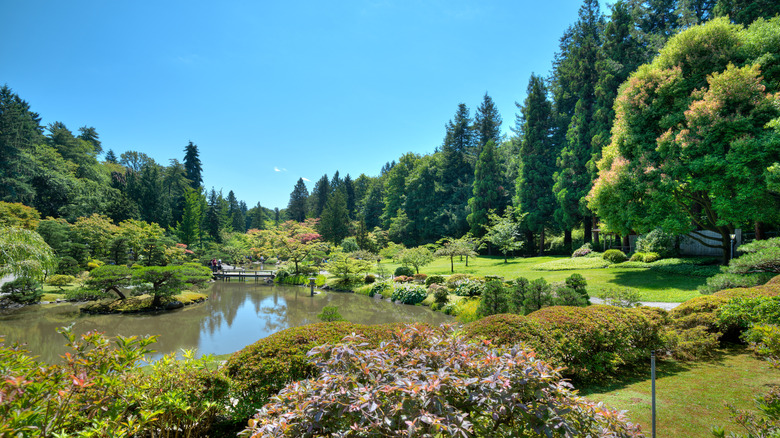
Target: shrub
(656, 241)
(469, 288)
(614, 256)
(83, 294)
(767, 424)
(440, 294)
(593, 343)
(434, 279)
(370, 278)
(744, 312)
(260, 370)
(403, 279)
(92, 264)
(454, 279)
(477, 391)
(727, 280)
(571, 264)
(493, 299)
(409, 293)
(403, 270)
(538, 295)
(637, 257)
(68, 266)
(691, 344)
(23, 290)
(566, 296)
(516, 294)
(420, 278)
(583, 251)
(466, 311)
(760, 256)
(764, 340)
(329, 314)
(651, 257)
(380, 288)
(578, 283)
(60, 281)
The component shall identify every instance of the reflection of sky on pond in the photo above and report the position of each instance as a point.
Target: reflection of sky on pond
(236, 315)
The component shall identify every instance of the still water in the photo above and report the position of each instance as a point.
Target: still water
(235, 315)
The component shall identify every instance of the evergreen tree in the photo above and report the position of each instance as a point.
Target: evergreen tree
(572, 181)
(20, 131)
(319, 196)
(487, 123)
(188, 229)
(533, 195)
(213, 224)
(90, 135)
(457, 173)
(420, 201)
(334, 224)
(747, 11)
(193, 166)
(111, 157)
(395, 187)
(237, 217)
(299, 197)
(488, 192)
(374, 205)
(256, 218)
(349, 191)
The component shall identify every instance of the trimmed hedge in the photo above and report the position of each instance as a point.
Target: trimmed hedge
(260, 370)
(593, 343)
(614, 256)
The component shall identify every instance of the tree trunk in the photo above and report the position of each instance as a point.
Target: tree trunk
(567, 241)
(759, 229)
(587, 228)
(541, 242)
(626, 246)
(529, 237)
(452, 264)
(118, 292)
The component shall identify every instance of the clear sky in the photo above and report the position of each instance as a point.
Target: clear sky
(274, 91)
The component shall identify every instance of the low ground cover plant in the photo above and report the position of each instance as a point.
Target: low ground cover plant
(424, 382)
(572, 264)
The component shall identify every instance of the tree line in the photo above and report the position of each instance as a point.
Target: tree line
(546, 170)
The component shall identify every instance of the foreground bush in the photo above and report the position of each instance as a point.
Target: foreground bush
(426, 383)
(99, 391)
(260, 370)
(593, 343)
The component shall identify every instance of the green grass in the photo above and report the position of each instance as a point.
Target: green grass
(652, 285)
(690, 397)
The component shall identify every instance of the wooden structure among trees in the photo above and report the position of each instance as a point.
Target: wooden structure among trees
(244, 275)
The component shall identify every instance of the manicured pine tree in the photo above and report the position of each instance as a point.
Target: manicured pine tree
(488, 190)
(193, 166)
(299, 199)
(533, 195)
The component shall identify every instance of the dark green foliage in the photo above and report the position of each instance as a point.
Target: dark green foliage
(477, 390)
(614, 256)
(536, 161)
(193, 166)
(578, 284)
(487, 122)
(319, 196)
(493, 299)
(403, 270)
(382, 287)
(86, 295)
(488, 190)
(730, 281)
(440, 294)
(260, 370)
(297, 207)
(434, 279)
(656, 241)
(516, 294)
(746, 11)
(745, 312)
(538, 295)
(109, 278)
(68, 266)
(165, 281)
(334, 224)
(23, 290)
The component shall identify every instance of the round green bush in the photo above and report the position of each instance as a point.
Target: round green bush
(470, 288)
(593, 343)
(434, 279)
(651, 257)
(614, 256)
(656, 241)
(370, 278)
(380, 288)
(637, 257)
(403, 270)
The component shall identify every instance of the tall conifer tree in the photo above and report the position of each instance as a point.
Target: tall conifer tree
(488, 191)
(193, 166)
(299, 198)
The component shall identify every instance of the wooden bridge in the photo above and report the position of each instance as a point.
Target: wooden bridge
(241, 274)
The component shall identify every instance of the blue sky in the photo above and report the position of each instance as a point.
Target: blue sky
(274, 91)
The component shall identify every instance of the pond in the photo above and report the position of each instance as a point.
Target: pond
(236, 315)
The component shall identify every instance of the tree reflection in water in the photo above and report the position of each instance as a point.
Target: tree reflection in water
(236, 314)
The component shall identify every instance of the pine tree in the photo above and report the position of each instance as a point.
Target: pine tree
(237, 217)
(572, 181)
(193, 166)
(319, 196)
(373, 205)
(487, 123)
(457, 174)
(299, 197)
(349, 191)
(111, 157)
(536, 166)
(90, 135)
(334, 223)
(488, 192)
(256, 218)
(188, 229)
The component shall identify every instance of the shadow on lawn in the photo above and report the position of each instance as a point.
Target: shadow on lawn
(649, 279)
(664, 368)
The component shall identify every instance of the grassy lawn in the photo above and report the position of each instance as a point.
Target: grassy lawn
(690, 397)
(651, 285)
